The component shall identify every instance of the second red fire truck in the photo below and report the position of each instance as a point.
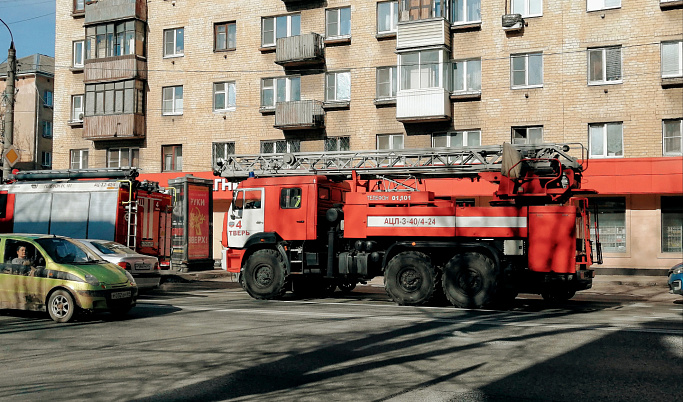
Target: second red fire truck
(311, 221)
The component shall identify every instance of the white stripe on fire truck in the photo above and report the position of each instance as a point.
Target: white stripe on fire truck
(448, 221)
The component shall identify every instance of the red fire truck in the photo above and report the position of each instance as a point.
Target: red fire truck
(319, 220)
(107, 204)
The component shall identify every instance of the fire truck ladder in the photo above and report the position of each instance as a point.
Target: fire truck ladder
(132, 224)
(418, 163)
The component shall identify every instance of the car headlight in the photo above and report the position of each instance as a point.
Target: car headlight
(130, 277)
(678, 270)
(92, 280)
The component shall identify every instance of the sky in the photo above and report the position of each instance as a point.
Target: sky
(33, 25)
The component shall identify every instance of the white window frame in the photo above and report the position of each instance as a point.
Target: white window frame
(525, 138)
(133, 153)
(603, 56)
(466, 71)
(290, 145)
(290, 28)
(46, 159)
(465, 13)
(78, 159)
(288, 90)
(78, 60)
(174, 99)
(229, 96)
(77, 113)
(393, 82)
(391, 138)
(338, 32)
(595, 5)
(665, 152)
(393, 17)
(526, 8)
(228, 148)
(451, 134)
(526, 71)
(332, 81)
(605, 153)
(680, 59)
(175, 32)
(423, 70)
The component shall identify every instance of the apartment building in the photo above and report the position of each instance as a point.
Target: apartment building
(173, 85)
(33, 103)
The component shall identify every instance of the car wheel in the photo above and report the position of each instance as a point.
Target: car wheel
(61, 306)
(346, 286)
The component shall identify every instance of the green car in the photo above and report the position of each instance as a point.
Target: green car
(40, 272)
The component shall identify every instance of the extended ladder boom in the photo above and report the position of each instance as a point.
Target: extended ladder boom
(430, 162)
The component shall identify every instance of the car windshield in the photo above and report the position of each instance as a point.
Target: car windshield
(65, 251)
(112, 248)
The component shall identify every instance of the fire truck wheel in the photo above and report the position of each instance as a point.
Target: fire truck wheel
(264, 275)
(410, 279)
(346, 286)
(469, 280)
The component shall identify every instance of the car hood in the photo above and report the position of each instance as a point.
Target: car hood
(104, 272)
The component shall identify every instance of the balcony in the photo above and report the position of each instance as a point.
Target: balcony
(113, 10)
(301, 50)
(298, 115)
(115, 69)
(114, 127)
(421, 105)
(423, 33)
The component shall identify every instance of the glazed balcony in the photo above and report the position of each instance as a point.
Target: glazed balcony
(115, 69)
(114, 127)
(298, 115)
(300, 50)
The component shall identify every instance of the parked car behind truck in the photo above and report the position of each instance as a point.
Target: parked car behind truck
(144, 268)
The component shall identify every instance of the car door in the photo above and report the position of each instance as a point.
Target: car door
(245, 216)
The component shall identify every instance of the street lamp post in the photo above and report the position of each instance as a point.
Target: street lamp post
(9, 96)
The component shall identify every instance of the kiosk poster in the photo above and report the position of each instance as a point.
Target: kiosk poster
(198, 225)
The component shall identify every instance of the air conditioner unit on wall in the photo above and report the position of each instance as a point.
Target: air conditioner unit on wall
(513, 22)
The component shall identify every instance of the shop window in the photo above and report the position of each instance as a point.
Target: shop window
(611, 219)
(672, 224)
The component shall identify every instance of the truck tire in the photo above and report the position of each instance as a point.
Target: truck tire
(410, 279)
(469, 280)
(264, 275)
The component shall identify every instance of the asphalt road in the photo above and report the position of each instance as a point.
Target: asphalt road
(209, 341)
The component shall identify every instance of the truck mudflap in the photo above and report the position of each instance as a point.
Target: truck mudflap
(232, 259)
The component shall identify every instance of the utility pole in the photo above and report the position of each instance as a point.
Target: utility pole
(9, 97)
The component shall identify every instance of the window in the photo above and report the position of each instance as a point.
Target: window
(224, 96)
(123, 157)
(47, 98)
(77, 61)
(528, 8)
(46, 159)
(273, 28)
(390, 141)
(527, 135)
(114, 98)
(467, 76)
(338, 86)
(221, 150)
(457, 139)
(604, 65)
(79, 6)
(527, 70)
(338, 22)
(282, 89)
(77, 109)
(464, 11)
(412, 10)
(611, 223)
(115, 39)
(174, 42)
(387, 16)
(172, 100)
(420, 69)
(280, 146)
(224, 36)
(79, 159)
(672, 59)
(386, 82)
(337, 143)
(592, 5)
(606, 140)
(672, 224)
(290, 198)
(171, 158)
(672, 136)
(46, 128)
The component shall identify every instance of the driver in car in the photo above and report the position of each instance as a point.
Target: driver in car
(22, 260)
